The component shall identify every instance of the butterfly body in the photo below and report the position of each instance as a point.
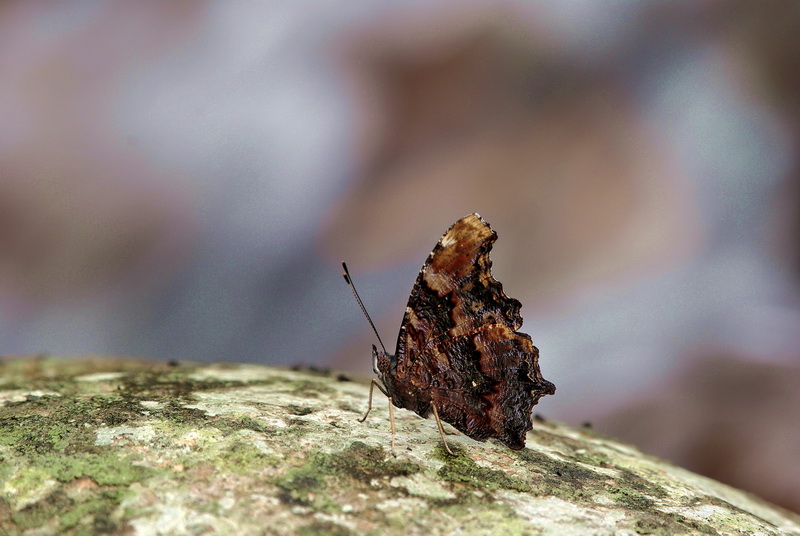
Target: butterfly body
(458, 351)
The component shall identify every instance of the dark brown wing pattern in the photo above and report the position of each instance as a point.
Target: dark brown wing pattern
(458, 346)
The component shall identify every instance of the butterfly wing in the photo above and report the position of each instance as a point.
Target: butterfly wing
(458, 346)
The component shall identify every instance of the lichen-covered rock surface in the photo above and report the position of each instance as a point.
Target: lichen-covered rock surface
(102, 445)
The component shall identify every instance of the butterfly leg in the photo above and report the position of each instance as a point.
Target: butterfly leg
(391, 420)
(441, 430)
(372, 385)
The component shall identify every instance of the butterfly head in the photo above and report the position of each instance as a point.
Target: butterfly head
(383, 363)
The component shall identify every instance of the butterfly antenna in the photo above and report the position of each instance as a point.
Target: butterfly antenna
(350, 284)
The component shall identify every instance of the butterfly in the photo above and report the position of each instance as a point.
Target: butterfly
(459, 355)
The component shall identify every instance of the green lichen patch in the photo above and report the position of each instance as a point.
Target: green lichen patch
(302, 485)
(23, 485)
(637, 482)
(294, 409)
(362, 462)
(424, 485)
(489, 518)
(316, 528)
(69, 493)
(185, 447)
(629, 499)
(669, 525)
(558, 477)
(36, 434)
(720, 510)
(309, 484)
(585, 473)
(176, 412)
(241, 456)
(583, 484)
(462, 469)
(105, 469)
(466, 513)
(593, 458)
(68, 424)
(248, 423)
(92, 513)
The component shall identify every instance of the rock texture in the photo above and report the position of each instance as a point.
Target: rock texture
(102, 445)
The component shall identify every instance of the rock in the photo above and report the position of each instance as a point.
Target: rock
(96, 445)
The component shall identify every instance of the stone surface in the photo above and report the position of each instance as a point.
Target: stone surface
(103, 445)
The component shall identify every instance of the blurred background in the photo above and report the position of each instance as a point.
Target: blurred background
(180, 180)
